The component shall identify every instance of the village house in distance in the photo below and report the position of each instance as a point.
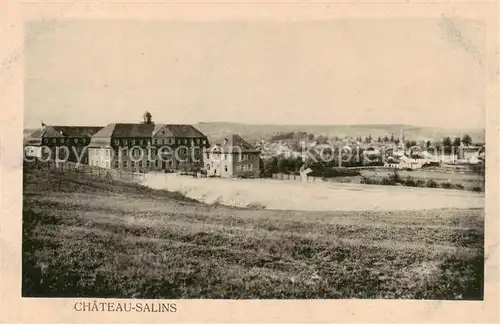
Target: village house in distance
(163, 146)
(234, 157)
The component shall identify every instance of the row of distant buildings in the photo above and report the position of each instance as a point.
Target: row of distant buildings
(387, 154)
(144, 147)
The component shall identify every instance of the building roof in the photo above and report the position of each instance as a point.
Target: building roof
(126, 130)
(184, 130)
(62, 131)
(235, 144)
(138, 130)
(147, 130)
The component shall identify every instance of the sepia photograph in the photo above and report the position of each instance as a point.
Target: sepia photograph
(336, 159)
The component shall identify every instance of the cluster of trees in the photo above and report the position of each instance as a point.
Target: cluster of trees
(447, 144)
(280, 164)
(292, 136)
(331, 158)
(384, 139)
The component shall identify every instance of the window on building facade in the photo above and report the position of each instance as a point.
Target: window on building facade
(62, 141)
(141, 142)
(157, 163)
(117, 164)
(170, 141)
(125, 164)
(132, 164)
(133, 142)
(124, 142)
(75, 140)
(54, 141)
(225, 168)
(148, 163)
(140, 164)
(45, 140)
(208, 166)
(117, 142)
(204, 142)
(250, 167)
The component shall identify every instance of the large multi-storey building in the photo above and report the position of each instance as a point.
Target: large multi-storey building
(67, 143)
(147, 146)
(234, 157)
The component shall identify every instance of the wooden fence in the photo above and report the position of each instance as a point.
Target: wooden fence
(89, 171)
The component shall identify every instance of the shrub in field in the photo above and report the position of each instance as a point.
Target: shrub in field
(477, 189)
(447, 185)
(366, 180)
(431, 164)
(420, 183)
(431, 184)
(387, 181)
(458, 186)
(410, 182)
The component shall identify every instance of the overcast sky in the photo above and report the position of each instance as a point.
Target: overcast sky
(422, 72)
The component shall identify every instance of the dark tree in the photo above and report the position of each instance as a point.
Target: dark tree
(447, 144)
(271, 166)
(467, 140)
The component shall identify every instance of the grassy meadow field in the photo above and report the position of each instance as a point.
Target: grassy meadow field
(92, 238)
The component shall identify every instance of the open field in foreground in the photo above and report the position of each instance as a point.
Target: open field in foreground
(96, 239)
(312, 196)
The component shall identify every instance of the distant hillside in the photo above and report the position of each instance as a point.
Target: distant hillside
(253, 132)
(28, 131)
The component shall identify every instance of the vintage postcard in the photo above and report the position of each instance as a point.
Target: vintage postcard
(249, 162)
